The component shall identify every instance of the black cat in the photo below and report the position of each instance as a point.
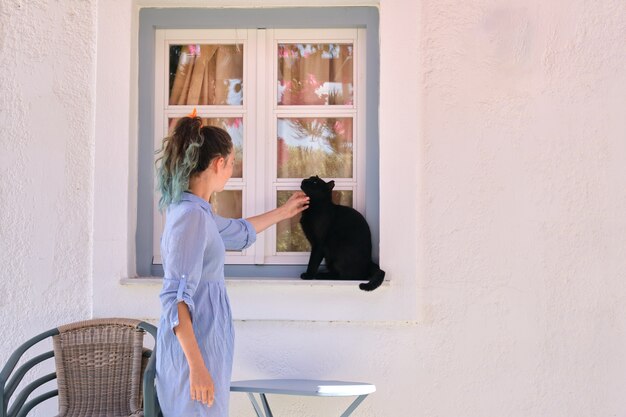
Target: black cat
(338, 234)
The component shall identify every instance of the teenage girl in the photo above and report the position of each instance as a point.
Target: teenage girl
(195, 340)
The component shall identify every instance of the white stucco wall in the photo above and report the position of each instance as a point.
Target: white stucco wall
(47, 104)
(503, 207)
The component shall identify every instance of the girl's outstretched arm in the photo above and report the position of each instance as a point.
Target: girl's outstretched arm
(297, 203)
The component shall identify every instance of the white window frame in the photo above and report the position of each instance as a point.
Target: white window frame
(260, 113)
(162, 112)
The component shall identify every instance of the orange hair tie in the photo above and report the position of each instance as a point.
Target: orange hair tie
(193, 114)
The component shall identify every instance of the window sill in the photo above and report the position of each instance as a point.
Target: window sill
(238, 281)
(291, 299)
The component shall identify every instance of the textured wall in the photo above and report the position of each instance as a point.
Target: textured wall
(507, 121)
(47, 69)
(524, 203)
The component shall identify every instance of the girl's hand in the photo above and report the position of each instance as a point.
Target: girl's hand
(201, 385)
(297, 203)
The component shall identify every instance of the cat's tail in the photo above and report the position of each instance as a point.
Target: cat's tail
(377, 276)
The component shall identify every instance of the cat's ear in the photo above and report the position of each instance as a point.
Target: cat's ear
(331, 184)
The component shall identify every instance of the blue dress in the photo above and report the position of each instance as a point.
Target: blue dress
(193, 249)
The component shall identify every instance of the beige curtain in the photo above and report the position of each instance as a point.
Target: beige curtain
(207, 74)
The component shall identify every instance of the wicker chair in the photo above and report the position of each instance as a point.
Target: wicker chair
(101, 367)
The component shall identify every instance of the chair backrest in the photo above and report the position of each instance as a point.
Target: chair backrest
(99, 367)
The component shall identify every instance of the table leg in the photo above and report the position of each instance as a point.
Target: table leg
(257, 409)
(354, 405)
(266, 406)
(268, 411)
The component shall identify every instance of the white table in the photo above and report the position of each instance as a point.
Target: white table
(307, 387)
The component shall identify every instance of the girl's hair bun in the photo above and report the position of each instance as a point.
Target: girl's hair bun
(188, 151)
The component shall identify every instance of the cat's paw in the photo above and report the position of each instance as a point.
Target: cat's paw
(306, 275)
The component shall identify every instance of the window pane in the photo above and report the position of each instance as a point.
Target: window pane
(227, 203)
(289, 234)
(234, 127)
(315, 74)
(206, 74)
(343, 197)
(314, 146)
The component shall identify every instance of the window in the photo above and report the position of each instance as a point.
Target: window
(295, 102)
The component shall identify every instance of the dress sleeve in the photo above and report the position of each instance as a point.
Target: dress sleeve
(237, 234)
(184, 253)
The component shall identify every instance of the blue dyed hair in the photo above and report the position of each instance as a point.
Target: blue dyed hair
(187, 152)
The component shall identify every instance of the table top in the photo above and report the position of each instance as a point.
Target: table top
(310, 387)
